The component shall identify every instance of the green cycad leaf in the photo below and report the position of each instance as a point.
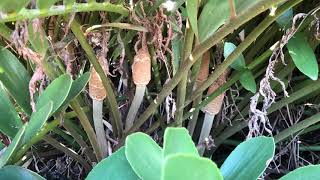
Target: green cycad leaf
(285, 20)
(115, 167)
(9, 6)
(56, 92)
(10, 122)
(303, 56)
(45, 4)
(178, 140)
(12, 147)
(37, 120)
(77, 86)
(144, 155)
(249, 159)
(248, 82)
(16, 173)
(308, 172)
(189, 167)
(192, 10)
(239, 64)
(15, 78)
(216, 13)
(69, 2)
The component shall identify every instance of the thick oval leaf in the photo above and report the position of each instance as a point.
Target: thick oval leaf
(308, 172)
(12, 147)
(239, 64)
(192, 10)
(18, 173)
(9, 6)
(189, 167)
(15, 78)
(303, 56)
(10, 122)
(37, 120)
(56, 92)
(77, 86)
(144, 155)
(178, 140)
(249, 159)
(115, 167)
(248, 82)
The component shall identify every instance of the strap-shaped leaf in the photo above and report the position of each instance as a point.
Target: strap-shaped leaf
(303, 56)
(15, 78)
(189, 167)
(10, 123)
(248, 82)
(10, 6)
(56, 92)
(38, 38)
(144, 155)
(17, 172)
(307, 172)
(249, 159)
(115, 167)
(285, 20)
(192, 10)
(12, 147)
(37, 120)
(178, 140)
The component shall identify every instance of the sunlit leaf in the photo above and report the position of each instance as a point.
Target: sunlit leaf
(307, 172)
(248, 82)
(16, 173)
(192, 10)
(239, 64)
(303, 56)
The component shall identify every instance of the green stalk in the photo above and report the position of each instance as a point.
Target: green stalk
(136, 102)
(155, 67)
(228, 28)
(181, 91)
(195, 113)
(296, 128)
(67, 151)
(205, 131)
(61, 10)
(111, 99)
(99, 127)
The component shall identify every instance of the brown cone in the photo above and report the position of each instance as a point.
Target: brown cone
(96, 89)
(204, 69)
(141, 68)
(215, 105)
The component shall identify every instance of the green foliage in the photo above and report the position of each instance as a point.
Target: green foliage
(192, 10)
(189, 167)
(9, 6)
(307, 172)
(18, 173)
(247, 81)
(12, 147)
(56, 92)
(9, 118)
(115, 167)
(177, 140)
(249, 159)
(15, 78)
(303, 56)
(144, 155)
(46, 4)
(285, 20)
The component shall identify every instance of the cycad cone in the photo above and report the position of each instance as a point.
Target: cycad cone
(204, 69)
(215, 105)
(141, 67)
(96, 89)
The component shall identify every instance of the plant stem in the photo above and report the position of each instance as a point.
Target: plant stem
(195, 113)
(111, 99)
(99, 127)
(200, 49)
(67, 151)
(181, 91)
(136, 102)
(62, 9)
(296, 128)
(205, 131)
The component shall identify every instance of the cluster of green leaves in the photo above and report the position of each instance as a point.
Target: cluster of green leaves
(142, 158)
